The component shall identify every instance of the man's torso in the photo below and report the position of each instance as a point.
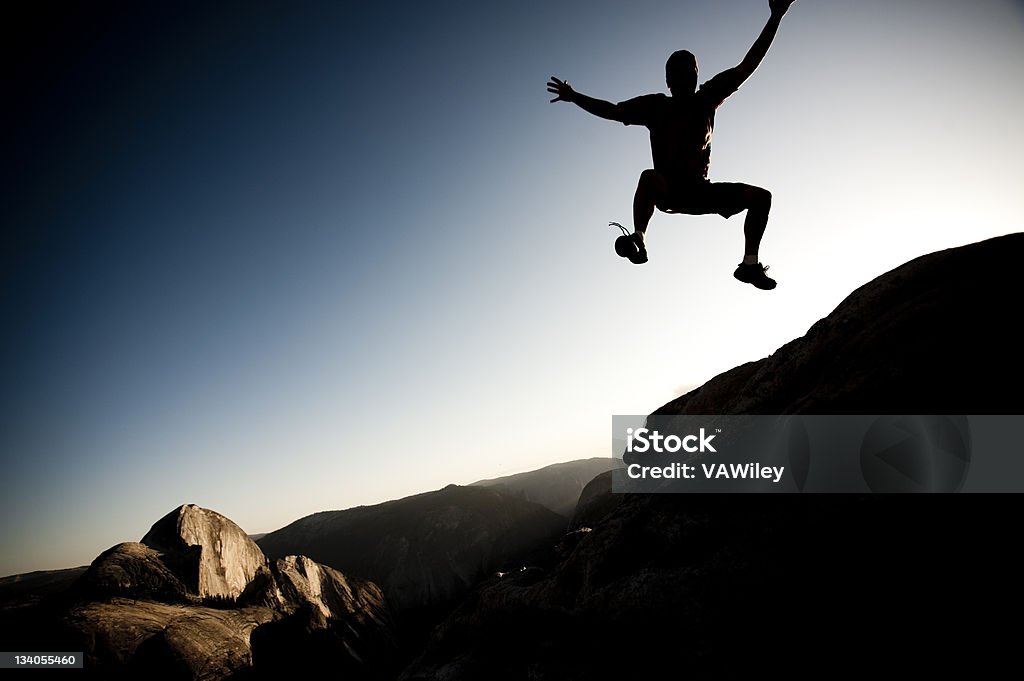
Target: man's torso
(681, 137)
(681, 127)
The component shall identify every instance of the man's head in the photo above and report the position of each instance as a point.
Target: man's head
(681, 73)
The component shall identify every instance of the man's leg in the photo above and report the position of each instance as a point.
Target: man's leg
(758, 202)
(729, 198)
(649, 190)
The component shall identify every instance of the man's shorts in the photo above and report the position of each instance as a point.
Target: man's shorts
(701, 197)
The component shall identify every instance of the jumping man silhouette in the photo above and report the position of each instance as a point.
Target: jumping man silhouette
(681, 127)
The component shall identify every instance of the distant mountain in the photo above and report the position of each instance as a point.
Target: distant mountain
(428, 549)
(557, 486)
(714, 586)
(29, 588)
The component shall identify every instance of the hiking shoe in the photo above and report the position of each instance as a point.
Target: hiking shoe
(630, 246)
(755, 274)
(640, 257)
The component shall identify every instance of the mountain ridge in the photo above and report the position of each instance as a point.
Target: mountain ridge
(425, 549)
(556, 486)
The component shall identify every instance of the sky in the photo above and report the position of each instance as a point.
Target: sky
(279, 258)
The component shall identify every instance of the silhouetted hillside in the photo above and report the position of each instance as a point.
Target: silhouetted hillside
(427, 549)
(721, 586)
(934, 336)
(557, 486)
(28, 588)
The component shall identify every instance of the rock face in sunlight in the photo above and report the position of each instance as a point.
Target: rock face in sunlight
(197, 599)
(303, 582)
(719, 586)
(226, 558)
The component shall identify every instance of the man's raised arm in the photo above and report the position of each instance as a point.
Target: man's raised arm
(564, 93)
(760, 47)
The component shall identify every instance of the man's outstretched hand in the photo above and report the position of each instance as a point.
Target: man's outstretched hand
(779, 7)
(563, 91)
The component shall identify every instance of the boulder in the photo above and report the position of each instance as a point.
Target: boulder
(216, 555)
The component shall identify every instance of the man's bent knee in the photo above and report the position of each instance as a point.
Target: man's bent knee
(650, 178)
(759, 198)
(651, 183)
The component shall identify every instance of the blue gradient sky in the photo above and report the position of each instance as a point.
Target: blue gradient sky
(281, 260)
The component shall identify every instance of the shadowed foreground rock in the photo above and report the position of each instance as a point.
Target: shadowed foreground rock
(721, 586)
(199, 600)
(138, 637)
(132, 568)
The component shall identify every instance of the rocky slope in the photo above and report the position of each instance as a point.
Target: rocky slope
(197, 599)
(936, 334)
(718, 586)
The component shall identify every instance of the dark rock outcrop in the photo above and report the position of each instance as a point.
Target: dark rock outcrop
(595, 502)
(314, 596)
(130, 637)
(134, 570)
(719, 586)
(935, 335)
